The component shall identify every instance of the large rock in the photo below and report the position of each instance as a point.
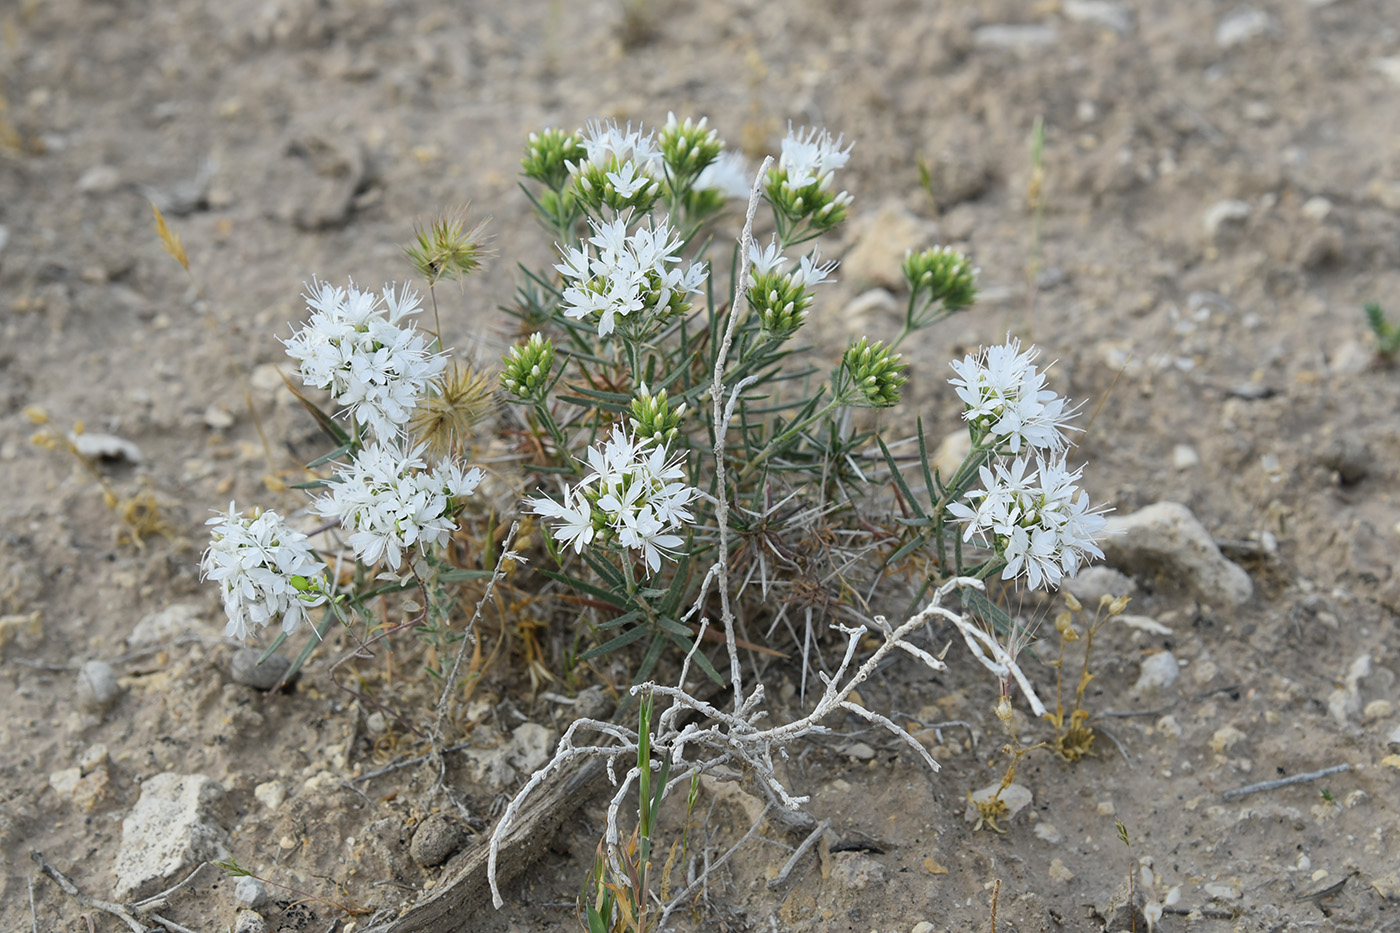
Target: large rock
(881, 241)
(1165, 538)
(171, 829)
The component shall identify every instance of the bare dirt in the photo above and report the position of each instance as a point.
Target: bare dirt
(303, 138)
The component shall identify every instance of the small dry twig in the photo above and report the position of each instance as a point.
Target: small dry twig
(1284, 782)
(803, 849)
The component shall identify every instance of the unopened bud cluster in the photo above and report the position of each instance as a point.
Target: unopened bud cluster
(653, 418)
(876, 374)
(687, 148)
(527, 366)
(548, 154)
(942, 274)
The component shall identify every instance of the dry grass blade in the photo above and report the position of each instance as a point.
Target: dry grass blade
(173, 246)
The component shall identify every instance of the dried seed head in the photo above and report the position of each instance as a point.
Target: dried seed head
(446, 250)
(448, 414)
(1073, 604)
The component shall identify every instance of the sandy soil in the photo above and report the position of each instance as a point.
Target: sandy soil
(293, 139)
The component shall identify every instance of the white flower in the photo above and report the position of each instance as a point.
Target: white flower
(390, 503)
(768, 259)
(634, 496)
(604, 142)
(264, 569)
(627, 275)
(354, 347)
(811, 155)
(729, 174)
(1037, 519)
(1004, 395)
(811, 271)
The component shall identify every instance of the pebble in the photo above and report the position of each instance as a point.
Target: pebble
(881, 240)
(94, 757)
(867, 307)
(163, 627)
(1168, 726)
(218, 418)
(1159, 671)
(4, 236)
(1225, 738)
(249, 892)
(1350, 458)
(1185, 457)
(1317, 209)
(97, 687)
(249, 921)
(1204, 671)
(1018, 37)
(1376, 710)
(1388, 66)
(100, 179)
(1114, 16)
(857, 871)
(25, 632)
(950, 453)
(1092, 584)
(270, 794)
(246, 670)
(437, 839)
(1048, 832)
(106, 447)
(860, 751)
(1016, 797)
(171, 829)
(1230, 212)
(1106, 808)
(266, 377)
(376, 724)
(1058, 871)
(923, 926)
(1167, 536)
(1241, 25)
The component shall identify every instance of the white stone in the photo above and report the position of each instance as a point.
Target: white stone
(950, 453)
(868, 307)
(1231, 211)
(105, 447)
(1317, 209)
(1114, 16)
(1242, 25)
(249, 892)
(1091, 584)
(270, 794)
(1184, 457)
(1048, 832)
(1169, 727)
(218, 417)
(1388, 66)
(97, 688)
(532, 745)
(881, 239)
(164, 626)
(169, 831)
(1015, 796)
(1166, 536)
(1159, 671)
(1019, 37)
(100, 179)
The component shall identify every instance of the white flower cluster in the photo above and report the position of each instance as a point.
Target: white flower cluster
(354, 347)
(1031, 512)
(810, 271)
(1039, 521)
(633, 496)
(729, 174)
(630, 160)
(390, 502)
(810, 155)
(264, 569)
(628, 274)
(1005, 399)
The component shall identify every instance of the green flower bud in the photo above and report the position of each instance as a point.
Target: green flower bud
(653, 418)
(942, 274)
(687, 149)
(781, 302)
(546, 155)
(527, 366)
(875, 374)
